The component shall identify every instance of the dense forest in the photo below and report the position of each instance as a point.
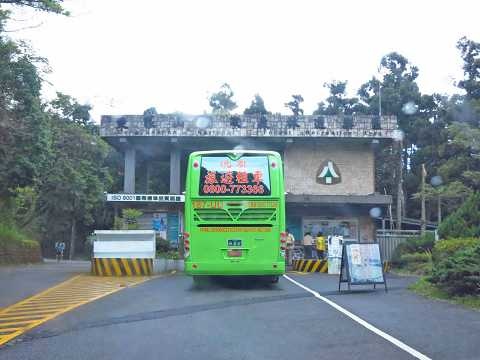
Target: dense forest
(54, 168)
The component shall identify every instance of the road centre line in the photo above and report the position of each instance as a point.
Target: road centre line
(362, 322)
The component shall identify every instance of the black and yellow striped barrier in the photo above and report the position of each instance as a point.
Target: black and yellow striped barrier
(122, 267)
(311, 265)
(386, 266)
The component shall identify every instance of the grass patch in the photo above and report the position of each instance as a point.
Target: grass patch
(429, 290)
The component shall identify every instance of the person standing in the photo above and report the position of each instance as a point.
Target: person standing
(290, 245)
(308, 245)
(59, 250)
(320, 245)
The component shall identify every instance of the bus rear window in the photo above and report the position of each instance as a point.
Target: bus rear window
(246, 176)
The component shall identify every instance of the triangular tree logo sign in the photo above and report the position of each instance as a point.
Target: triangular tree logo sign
(328, 173)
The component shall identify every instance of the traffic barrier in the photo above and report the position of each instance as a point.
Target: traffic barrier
(386, 266)
(312, 265)
(122, 267)
(123, 252)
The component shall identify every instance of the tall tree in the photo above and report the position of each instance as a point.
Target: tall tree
(72, 190)
(24, 136)
(470, 52)
(398, 94)
(294, 105)
(54, 6)
(337, 103)
(257, 107)
(222, 102)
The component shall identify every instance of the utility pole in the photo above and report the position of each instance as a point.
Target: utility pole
(379, 99)
(423, 220)
(379, 70)
(439, 209)
(399, 186)
(390, 215)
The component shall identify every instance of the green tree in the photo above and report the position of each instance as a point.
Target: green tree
(398, 169)
(69, 109)
(449, 196)
(470, 52)
(54, 6)
(257, 107)
(222, 102)
(463, 222)
(294, 105)
(337, 103)
(71, 192)
(24, 134)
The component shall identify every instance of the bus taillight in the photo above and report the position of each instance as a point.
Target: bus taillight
(186, 244)
(283, 241)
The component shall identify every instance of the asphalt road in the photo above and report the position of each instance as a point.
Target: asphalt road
(170, 318)
(20, 281)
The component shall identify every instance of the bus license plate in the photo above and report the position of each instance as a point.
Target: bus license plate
(234, 253)
(235, 242)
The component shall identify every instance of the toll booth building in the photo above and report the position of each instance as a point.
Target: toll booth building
(329, 164)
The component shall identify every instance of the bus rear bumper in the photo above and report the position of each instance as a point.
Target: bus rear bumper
(209, 268)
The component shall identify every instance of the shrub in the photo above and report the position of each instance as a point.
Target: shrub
(417, 263)
(118, 223)
(130, 218)
(162, 245)
(445, 248)
(463, 222)
(417, 257)
(10, 235)
(459, 274)
(30, 244)
(169, 255)
(419, 244)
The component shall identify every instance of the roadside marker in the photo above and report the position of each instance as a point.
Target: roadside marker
(48, 304)
(362, 322)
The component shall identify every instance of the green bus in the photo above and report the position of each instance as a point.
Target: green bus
(235, 214)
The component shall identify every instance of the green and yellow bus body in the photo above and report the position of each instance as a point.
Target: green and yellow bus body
(235, 214)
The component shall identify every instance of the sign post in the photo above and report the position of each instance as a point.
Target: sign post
(361, 265)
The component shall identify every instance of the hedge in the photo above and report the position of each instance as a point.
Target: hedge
(458, 273)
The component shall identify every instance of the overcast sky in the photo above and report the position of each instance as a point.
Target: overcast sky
(122, 57)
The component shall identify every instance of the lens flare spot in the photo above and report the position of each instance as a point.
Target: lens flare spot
(375, 212)
(409, 108)
(436, 180)
(202, 122)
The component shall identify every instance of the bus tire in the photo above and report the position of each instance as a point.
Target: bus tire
(274, 279)
(198, 280)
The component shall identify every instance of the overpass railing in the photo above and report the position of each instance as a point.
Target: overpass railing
(250, 125)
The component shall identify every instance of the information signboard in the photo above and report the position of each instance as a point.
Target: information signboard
(246, 176)
(361, 265)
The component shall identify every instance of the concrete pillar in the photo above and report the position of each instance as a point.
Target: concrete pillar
(174, 170)
(147, 176)
(129, 171)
